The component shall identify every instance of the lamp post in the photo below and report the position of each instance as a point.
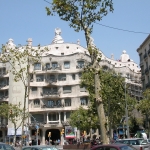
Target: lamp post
(126, 113)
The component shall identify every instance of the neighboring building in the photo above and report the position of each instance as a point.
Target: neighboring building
(128, 69)
(144, 54)
(55, 86)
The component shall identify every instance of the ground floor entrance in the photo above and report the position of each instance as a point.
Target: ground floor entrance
(55, 135)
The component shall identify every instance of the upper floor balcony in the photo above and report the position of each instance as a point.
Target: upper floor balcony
(146, 70)
(48, 94)
(148, 52)
(147, 85)
(145, 56)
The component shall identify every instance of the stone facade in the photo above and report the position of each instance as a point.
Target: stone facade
(55, 85)
(144, 54)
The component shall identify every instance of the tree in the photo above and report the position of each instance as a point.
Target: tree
(144, 106)
(113, 93)
(20, 59)
(81, 15)
(13, 113)
(84, 119)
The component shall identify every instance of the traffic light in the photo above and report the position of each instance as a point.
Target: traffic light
(84, 133)
(49, 134)
(62, 131)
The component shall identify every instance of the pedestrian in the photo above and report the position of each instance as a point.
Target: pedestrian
(46, 142)
(58, 141)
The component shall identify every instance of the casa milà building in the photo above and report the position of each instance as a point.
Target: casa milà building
(55, 86)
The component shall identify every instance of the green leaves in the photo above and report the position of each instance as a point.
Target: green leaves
(144, 104)
(12, 112)
(83, 119)
(80, 14)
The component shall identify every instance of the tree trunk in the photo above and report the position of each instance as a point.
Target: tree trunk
(14, 138)
(100, 110)
(24, 111)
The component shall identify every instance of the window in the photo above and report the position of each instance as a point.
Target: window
(50, 103)
(67, 89)
(2, 71)
(37, 66)
(48, 66)
(53, 117)
(80, 64)
(31, 77)
(37, 117)
(51, 78)
(67, 65)
(73, 77)
(39, 78)
(68, 115)
(37, 103)
(54, 65)
(58, 103)
(84, 101)
(62, 54)
(79, 75)
(82, 89)
(67, 102)
(141, 57)
(34, 90)
(62, 77)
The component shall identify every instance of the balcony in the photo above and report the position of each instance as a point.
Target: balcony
(149, 52)
(80, 66)
(146, 70)
(147, 85)
(3, 97)
(2, 74)
(52, 106)
(145, 56)
(51, 81)
(58, 67)
(53, 122)
(3, 86)
(50, 94)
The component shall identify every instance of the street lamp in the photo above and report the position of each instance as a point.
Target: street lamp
(126, 113)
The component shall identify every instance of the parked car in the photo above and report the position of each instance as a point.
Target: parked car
(39, 147)
(138, 143)
(113, 147)
(4, 146)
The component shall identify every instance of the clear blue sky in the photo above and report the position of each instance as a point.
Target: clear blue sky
(23, 19)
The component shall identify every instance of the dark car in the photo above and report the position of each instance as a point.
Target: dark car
(4, 146)
(39, 147)
(138, 143)
(113, 147)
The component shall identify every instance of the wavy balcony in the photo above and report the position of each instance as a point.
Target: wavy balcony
(50, 94)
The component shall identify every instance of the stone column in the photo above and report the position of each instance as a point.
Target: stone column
(47, 119)
(64, 116)
(43, 136)
(59, 118)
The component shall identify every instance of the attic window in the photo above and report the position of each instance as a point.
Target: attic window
(77, 47)
(56, 47)
(133, 64)
(62, 53)
(67, 47)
